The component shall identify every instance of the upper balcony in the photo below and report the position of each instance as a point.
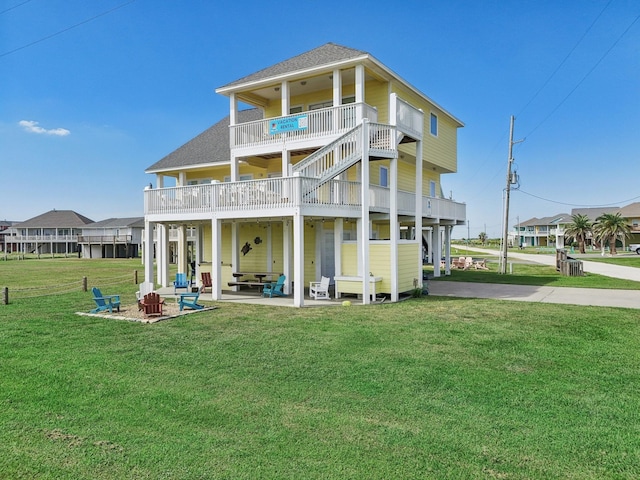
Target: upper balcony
(316, 128)
(298, 131)
(282, 196)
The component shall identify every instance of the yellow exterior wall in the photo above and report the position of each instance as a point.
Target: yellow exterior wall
(440, 151)
(349, 261)
(256, 259)
(380, 264)
(408, 266)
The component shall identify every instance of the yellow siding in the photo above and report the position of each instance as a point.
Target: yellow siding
(440, 151)
(349, 259)
(408, 268)
(380, 263)
(377, 94)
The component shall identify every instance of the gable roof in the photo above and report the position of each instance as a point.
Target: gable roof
(558, 219)
(593, 212)
(326, 54)
(55, 219)
(630, 211)
(319, 59)
(209, 147)
(118, 223)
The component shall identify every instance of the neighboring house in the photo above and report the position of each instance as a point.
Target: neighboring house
(632, 213)
(4, 226)
(333, 172)
(52, 232)
(112, 238)
(593, 213)
(542, 232)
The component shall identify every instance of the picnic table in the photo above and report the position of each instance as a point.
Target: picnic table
(252, 279)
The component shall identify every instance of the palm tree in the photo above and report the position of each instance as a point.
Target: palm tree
(579, 228)
(608, 226)
(483, 237)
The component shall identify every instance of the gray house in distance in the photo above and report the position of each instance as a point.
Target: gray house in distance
(112, 238)
(52, 232)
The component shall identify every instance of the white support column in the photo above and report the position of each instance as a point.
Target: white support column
(394, 229)
(284, 98)
(182, 179)
(235, 251)
(359, 83)
(447, 249)
(418, 217)
(182, 249)
(363, 234)
(148, 251)
(269, 247)
(298, 260)
(286, 253)
(337, 97)
(436, 242)
(162, 254)
(216, 259)
(338, 235)
(233, 109)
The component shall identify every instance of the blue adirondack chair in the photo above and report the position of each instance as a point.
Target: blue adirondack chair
(271, 289)
(189, 300)
(181, 282)
(105, 302)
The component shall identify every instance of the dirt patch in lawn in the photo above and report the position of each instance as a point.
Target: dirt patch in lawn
(132, 313)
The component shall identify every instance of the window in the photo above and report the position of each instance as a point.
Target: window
(242, 178)
(434, 125)
(296, 109)
(432, 188)
(384, 176)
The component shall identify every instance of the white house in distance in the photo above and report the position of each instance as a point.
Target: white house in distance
(53, 232)
(334, 171)
(112, 238)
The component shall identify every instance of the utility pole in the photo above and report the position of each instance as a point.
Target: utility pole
(505, 237)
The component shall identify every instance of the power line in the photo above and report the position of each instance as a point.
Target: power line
(578, 205)
(565, 58)
(15, 6)
(66, 29)
(585, 77)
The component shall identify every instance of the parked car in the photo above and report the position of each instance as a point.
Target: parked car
(635, 247)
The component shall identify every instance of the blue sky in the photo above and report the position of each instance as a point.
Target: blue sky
(92, 93)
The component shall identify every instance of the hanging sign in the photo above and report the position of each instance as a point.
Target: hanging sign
(288, 124)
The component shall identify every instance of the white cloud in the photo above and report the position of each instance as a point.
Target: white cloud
(32, 127)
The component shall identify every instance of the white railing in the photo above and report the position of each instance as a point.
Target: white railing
(317, 123)
(443, 208)
(342, 151)
(41, 238)
(105, 238)
(278, 193)
(409, 119)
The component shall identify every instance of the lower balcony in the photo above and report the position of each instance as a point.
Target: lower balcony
(283, 196)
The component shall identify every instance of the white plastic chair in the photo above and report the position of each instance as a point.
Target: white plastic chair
(320, 290)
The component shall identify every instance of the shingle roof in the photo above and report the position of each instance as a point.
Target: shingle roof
(326, 54)
(560, 218)
(593, 213)
(56, 219)
(211, 146)
(118, 223)
(630, 211)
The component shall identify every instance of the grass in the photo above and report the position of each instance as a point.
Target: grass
(427, 388)
(538, 275)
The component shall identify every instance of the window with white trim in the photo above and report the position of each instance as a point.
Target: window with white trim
(384, 176)
(433, 125)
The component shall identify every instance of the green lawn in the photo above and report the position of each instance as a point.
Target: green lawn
(427, 388)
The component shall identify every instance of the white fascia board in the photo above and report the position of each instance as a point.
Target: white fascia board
(290, 76)
(190, 167)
